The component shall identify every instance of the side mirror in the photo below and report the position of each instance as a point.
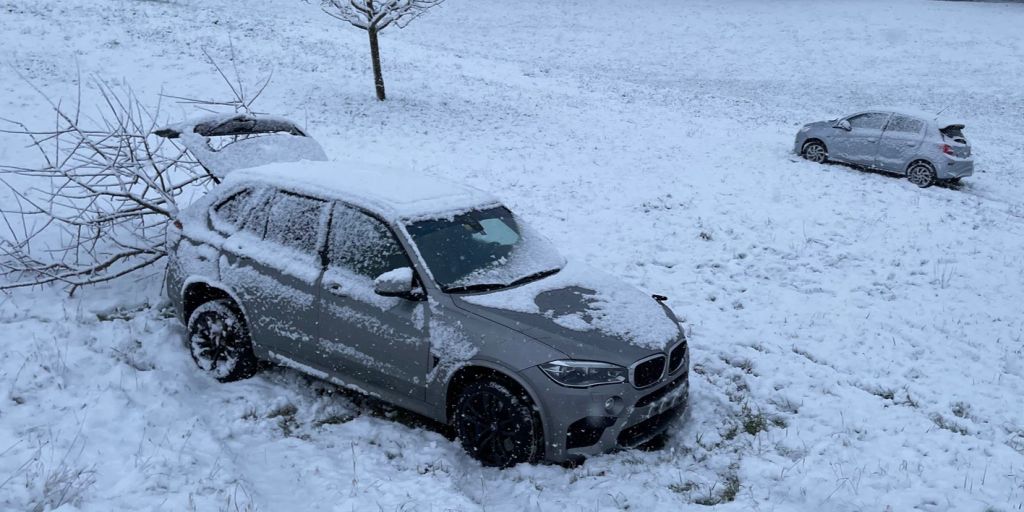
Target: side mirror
(397, 283)
(843, 124)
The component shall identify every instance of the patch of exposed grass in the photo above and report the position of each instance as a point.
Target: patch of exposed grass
(961, 410)
(950, 425)
(334, 419)
(883, 393)
(727, 490)
(686, 488)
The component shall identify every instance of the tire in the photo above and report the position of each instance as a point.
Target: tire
(815, 151)
(219, 341)
(497, 426)
(921, 174)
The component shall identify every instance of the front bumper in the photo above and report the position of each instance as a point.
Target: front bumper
(577, 424)
(798, 144)
(955, 168)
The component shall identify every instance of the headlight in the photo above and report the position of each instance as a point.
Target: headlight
(583, 374)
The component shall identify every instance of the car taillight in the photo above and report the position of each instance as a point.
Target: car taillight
(947, 149)
(177, 224)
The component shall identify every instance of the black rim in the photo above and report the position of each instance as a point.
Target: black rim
(495, 429)
(214, 343)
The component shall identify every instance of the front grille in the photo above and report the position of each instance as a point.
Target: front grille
(676, 358)
(649, 399)
(649, 428)
(648, 373)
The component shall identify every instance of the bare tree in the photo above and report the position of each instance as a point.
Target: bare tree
(374, 16)
(97, 205)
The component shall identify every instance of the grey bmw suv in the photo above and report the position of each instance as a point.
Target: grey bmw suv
(921, 146)
(431, 296)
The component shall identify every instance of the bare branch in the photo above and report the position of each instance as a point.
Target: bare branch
(104, 191)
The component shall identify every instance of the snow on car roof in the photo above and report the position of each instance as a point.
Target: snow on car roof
(933, 117)
(392, 193)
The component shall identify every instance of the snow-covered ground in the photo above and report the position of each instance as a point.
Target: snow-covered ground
(857, 342)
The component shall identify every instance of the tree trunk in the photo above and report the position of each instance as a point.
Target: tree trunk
(378, 78)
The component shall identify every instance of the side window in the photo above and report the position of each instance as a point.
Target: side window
(363, 244)
(904, 124)
(869, 121)
(295, 221)
(231, 212)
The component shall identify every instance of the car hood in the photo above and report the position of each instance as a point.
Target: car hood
(820, 124)
(583, 313)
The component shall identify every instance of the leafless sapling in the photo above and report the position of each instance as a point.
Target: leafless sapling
(374, 16)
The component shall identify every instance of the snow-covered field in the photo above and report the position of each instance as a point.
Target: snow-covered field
(857, 342)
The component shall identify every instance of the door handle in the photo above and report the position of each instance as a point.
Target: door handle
(334, 287)
(872, 140)
(911, 144)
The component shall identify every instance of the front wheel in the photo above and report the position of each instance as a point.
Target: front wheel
(921, 174)
(814, 151)
(496, 425)
(219, 341)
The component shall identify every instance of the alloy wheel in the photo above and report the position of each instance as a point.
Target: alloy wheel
(815, 152)
(219, 342)
(921, 175)
(495, 426)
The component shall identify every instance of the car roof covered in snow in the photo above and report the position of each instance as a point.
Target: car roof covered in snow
(392, 193)
(932, 117)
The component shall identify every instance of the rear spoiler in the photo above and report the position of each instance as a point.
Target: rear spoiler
(260, 140)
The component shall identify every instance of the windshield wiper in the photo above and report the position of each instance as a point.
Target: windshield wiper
(489, 287)
(483, 287)
(534, 277)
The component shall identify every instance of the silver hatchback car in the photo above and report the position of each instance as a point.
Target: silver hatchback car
(920, 146)
(431, 296)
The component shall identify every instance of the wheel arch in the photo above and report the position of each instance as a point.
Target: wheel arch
(918, 160)
(809, 140)
(482, 370)
(197, 291)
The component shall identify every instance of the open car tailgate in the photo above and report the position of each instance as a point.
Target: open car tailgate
(252, 141)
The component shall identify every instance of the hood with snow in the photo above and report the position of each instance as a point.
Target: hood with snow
(582, 312)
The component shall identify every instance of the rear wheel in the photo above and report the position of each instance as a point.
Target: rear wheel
(497, 425)
(814, 151)
(219, 341)
(921, 174)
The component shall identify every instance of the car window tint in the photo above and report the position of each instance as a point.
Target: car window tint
(363, 244)
(904, 124)
(869, 121)
(295, 221)
(231, 212)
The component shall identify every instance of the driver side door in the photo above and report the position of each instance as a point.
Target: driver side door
(859, 145)
(366, 338)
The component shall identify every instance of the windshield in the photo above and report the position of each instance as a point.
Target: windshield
(483, 250)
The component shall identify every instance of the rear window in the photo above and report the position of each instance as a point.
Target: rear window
(296, 221)
(229, 214)
(904, 124)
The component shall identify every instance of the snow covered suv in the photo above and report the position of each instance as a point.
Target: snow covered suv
(429, 295)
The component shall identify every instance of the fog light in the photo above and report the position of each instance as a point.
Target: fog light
(613, 405)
